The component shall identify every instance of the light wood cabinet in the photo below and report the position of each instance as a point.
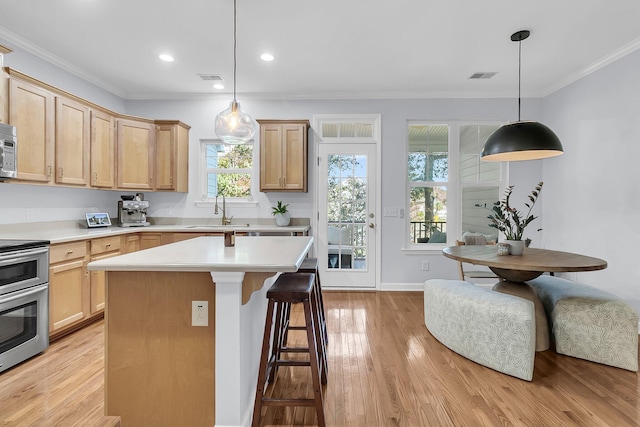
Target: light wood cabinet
(72, 143)
(102, 248)
(32, 111)
(150, 240)
(130, 243)
(103, 149)
(172, 156)
(136, 154)
(283, 155)
(68, 141)
(68, 285)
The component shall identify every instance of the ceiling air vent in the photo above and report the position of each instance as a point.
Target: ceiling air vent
(483, 75)
(211, 77)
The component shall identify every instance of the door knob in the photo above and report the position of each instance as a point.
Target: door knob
(371, 225)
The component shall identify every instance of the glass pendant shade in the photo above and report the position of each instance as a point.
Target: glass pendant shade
(521, 140)
(234, 126)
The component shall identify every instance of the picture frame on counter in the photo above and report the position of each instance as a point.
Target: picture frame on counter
(96, 220)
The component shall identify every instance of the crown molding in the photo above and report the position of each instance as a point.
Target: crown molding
(601, 63)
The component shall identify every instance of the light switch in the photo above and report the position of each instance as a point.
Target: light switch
(390, 212)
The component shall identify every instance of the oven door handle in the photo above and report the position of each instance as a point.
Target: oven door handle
(23, 293)
(21, 256)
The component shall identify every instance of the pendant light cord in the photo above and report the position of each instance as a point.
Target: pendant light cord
(234, 50)
(519, 71)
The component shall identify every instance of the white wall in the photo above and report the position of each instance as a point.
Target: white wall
(26, 203)
(397, 266)
(592, 193)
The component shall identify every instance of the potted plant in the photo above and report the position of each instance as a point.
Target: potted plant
(511, 221)
(281, 213)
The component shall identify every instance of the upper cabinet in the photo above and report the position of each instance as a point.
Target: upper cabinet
(32, 111)
(103, 149)
(172, 156)
(72, 146)
(136, 154)
(283, 155)
(67, 141)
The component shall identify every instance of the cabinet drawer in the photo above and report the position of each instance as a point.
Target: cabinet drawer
(67, 251)
(105, 244)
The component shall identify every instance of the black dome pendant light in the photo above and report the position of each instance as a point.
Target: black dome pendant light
(521, 140)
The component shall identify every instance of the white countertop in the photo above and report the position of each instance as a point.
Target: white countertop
(69, 231)
(250, 254)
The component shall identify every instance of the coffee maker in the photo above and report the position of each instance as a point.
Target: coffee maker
(132, 211)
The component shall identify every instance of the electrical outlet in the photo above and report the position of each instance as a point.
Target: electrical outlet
(425, 266)
(29, 214)
(199, 313)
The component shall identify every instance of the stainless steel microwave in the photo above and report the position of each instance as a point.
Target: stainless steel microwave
(8, 152)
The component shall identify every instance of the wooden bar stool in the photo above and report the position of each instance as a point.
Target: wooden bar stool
(291, 289)
(309, 265)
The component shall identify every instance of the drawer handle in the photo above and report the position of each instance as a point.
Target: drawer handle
(108, 244)
(69, 252)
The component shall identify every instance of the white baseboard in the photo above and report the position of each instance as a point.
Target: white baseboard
(402, 286)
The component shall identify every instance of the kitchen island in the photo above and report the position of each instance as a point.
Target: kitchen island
(160, 370)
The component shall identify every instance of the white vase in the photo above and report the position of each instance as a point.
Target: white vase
(282, 219)
(516, 247)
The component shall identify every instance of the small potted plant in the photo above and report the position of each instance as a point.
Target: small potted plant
(282, 214)
(511, 221)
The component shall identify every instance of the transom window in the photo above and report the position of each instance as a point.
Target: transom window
(227, 169)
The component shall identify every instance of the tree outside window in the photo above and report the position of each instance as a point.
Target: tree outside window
(228, 169)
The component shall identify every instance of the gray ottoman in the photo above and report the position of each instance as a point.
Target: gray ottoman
(493, 329)
(589, 323)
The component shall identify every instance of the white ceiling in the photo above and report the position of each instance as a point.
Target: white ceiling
(324, 48)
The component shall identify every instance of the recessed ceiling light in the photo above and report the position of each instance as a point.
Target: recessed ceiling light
(166, 57)
(218, 86)
(266, 57)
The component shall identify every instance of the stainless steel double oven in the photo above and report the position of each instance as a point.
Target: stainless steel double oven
(24, 300)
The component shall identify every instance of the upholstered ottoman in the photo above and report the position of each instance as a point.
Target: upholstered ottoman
(589, 323)
(493, 329)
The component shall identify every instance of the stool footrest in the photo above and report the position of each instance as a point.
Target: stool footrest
(288, 402)
(294, 350)
(292, 363)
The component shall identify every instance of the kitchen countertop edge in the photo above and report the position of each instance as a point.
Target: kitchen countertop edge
(70, 234)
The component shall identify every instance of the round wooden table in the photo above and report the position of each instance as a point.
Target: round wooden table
(514, 271)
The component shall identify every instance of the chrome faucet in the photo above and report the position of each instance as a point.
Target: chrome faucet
(225, 220)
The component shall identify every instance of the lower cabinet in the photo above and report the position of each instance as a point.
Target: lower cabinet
(68, 285)
(100, 249)
(130, 243)
(76, 295)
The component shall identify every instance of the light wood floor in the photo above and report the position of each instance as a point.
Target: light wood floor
(385, 370)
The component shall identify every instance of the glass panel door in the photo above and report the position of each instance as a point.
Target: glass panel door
(346, 213)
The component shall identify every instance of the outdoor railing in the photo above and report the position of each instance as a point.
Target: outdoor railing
(422, 230)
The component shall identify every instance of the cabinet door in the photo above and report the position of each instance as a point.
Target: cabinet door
(31, 110)
(270, 157)
(150, 240)
(72, 146)
(165, 157)
(68, 294)
(294, 151)
(131, 243)
(98, 280)
(135, 141)
(283, 155)
(103, 149)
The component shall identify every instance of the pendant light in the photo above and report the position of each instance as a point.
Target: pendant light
(234, 126)
(521, 140)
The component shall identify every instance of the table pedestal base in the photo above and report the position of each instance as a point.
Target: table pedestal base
(523, 290)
